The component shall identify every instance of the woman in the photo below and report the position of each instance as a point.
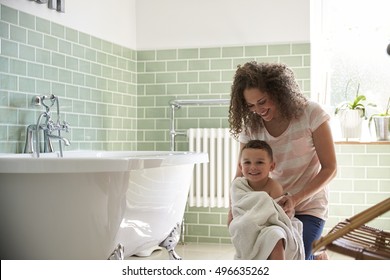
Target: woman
(267, 104)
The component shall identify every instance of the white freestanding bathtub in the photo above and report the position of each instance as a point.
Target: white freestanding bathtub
(91, 205)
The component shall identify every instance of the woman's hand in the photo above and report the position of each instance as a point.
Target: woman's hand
(288, 204)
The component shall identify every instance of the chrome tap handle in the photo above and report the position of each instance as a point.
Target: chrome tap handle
(65, 126)
(50, 126)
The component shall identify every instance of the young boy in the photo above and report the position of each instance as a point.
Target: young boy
(256, 164)
(253, 200)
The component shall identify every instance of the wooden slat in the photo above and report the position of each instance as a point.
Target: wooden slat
(354, 237)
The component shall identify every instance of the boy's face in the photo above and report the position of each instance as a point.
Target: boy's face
(255, 164)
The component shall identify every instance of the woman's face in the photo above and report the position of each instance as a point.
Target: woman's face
(260, 103)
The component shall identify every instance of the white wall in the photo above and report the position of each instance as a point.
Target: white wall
(201, 23)
(159, 24)
(111, 20)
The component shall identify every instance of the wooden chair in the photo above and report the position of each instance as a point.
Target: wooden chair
(353, 238)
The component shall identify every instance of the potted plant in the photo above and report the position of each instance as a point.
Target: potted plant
(382, 123)
(351, 114)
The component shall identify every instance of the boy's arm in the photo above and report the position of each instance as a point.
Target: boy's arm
(276, 189)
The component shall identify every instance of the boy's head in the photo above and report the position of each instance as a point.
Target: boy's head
(261, 145)
(256, 160)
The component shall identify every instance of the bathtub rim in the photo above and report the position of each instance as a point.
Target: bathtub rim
(95, 161)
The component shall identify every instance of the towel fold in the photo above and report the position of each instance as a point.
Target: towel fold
(259, 222)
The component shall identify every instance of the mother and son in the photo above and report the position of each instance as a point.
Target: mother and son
(279, 198)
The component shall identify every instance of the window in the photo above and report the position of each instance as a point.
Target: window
(349, 43)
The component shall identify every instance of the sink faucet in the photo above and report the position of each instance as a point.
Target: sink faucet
(47, 128)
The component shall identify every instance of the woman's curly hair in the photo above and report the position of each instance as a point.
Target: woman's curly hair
(275, 79)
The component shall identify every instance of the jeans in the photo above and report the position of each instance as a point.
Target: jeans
(312, 230)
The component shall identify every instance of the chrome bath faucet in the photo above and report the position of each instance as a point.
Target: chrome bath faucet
(46, 126)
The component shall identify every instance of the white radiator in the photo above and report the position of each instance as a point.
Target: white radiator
(212, 180)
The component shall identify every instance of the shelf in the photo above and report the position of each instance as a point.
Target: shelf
(343, 142)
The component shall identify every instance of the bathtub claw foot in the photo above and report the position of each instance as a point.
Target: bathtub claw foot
(118, 253)
(173, 255)
(171, 241)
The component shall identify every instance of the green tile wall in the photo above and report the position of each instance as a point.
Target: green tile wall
(199, 73)
(363, 180)
(95, 81)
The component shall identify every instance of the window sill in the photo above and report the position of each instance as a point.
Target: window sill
(344, 142)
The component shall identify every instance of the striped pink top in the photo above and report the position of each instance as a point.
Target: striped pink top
(296, 159)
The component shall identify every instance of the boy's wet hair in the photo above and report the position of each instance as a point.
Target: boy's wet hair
(259, 144)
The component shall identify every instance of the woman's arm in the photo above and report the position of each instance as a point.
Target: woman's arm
(238, 169)
(323, 143)
(238, 174)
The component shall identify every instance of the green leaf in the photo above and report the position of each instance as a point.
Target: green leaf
(357, 100)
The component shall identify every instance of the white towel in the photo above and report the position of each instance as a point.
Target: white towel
(259, 222)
